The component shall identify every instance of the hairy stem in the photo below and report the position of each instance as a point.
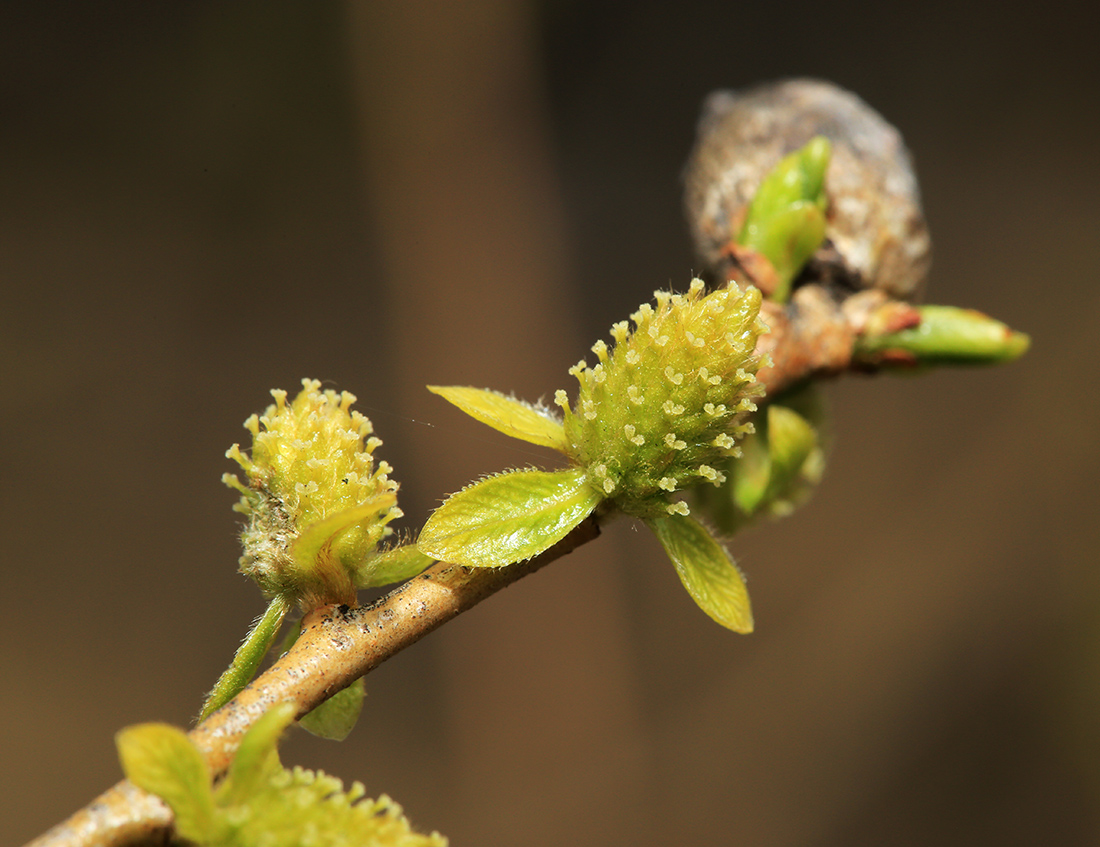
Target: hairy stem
(248, 657)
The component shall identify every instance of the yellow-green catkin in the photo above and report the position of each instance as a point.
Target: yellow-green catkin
(663, 410)
(259, 803)
(316, 503)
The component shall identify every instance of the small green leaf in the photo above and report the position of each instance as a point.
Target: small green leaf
(798, 176)
(779, 466)
(307, 547)
(752, 470)
(336, 717)
(257, 758)
(790, 241)
(248, 657)
(791, 440)
(390, 566)
(786, 218)
(508, 518)
(162, 760)
(946, 335)
(506, 414)
(706, 570)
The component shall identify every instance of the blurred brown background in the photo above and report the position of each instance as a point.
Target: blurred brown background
(199, 202)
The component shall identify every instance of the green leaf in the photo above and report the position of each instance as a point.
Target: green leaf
(336, 717)
(247, 658)
(790, 241)
(791, 440)
(751, 471)
(394, 565)
(506, 414)
(508, 518)
(798, 176)
(946, 335)
(780, 464)
(315, 536)
(706, 570)
(786, 218)
(162, 760)
(257, 758)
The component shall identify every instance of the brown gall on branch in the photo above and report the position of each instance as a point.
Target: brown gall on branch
(876, 250)
(851, 307)
(875, 232)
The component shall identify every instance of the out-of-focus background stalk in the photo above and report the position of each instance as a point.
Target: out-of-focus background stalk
(202, 201)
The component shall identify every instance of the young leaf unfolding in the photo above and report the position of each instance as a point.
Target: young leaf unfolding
(507, 414)
(162, 760)
(706, 570)
(509, 518)
(785, 221)
(781, 463)
(943, 335)
(335, 718)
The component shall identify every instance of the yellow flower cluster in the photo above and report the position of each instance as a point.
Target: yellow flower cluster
(663, 410)
(317, 504)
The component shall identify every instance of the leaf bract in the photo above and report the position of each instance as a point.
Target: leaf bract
(706, 570)
(336, 717)
(506, 414)
(508, 518)
(162, 760)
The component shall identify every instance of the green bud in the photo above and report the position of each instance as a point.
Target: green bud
(781, 464)
(317, 506)
(944, 335)
(663, 411)
(786, 219)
